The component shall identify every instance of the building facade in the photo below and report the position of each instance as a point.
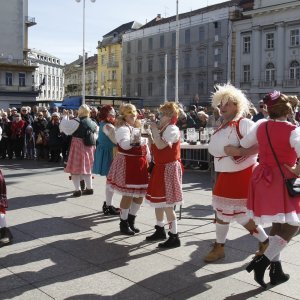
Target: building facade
(267, 48)
(204, 55)
(16, 71)
(110, 67)
(73, 76)
(48, 77)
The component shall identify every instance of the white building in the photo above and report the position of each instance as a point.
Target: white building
(267, 48)
(16, 71)
(48, 78)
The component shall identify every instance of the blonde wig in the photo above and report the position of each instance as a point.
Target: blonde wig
(170, 109)
(126, 109)
(84, 111)
(228, 92)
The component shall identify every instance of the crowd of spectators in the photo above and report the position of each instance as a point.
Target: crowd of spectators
(33, 133)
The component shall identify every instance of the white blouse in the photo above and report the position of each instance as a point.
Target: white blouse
(67, 126)
(171, 135)
(228, 136)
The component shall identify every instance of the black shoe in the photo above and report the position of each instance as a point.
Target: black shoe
(159, 234)
(124, 228)
(259, 265)
(131, 221)
(77, 194)
(88, 192)
(82, 185)
(172, 242)
(6, 236)
(276, 274)
(110, 210)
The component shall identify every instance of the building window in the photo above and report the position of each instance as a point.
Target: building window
(246, 44)
(294, 70)
(114, 75)
(246, 73)
(102, 60)
(187, 61)
(150, 43)
(270, 72)
(8, 78)
(139, 89)
(140, 46)
(161, 63)
(201, 87)
(201, 34)
(128, 47)
(149, 88)
(128, 90)
(53, 81)
(173, 61)
(173, 39)
(150, 65)
(49, 81)
(187, 36)
(162, 42)
(186, 86)
(128, 69)
(270, 40)
(139, 66)
(201, 60)
(295, 39)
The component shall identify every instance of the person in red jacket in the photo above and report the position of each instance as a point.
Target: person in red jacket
(17, 136)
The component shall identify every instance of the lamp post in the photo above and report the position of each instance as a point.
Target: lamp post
(83, 48)
(177, 54)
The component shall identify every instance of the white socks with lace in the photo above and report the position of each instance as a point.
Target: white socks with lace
(221, 233)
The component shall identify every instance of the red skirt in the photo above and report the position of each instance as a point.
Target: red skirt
(81, 158)
(230, 195)
(165, 186)
(128, 175)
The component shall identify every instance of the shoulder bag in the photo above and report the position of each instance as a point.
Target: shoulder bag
(292, 184)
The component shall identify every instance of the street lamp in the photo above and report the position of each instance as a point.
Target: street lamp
(83, 48)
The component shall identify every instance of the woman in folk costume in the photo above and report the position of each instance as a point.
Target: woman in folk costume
(269, 201)
(128, 174)
(230, 192)
(106, 144)
(6, 236)
(165, 185)
(81, 157)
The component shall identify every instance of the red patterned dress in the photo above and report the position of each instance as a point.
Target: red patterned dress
(165, 186)
(128, 173)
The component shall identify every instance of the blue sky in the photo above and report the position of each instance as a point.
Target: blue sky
(59, 22)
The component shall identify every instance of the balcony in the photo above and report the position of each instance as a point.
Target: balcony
(267, 84)
(291, 83)
(245, 85)
(112, 64)
(29, 21)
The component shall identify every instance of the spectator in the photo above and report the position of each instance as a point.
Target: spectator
(262, 112)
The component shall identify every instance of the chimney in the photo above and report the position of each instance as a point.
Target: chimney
(158, 17)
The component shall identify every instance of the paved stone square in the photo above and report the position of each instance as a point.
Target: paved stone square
(65, 248)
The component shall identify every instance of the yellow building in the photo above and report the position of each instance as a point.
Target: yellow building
(110, 60)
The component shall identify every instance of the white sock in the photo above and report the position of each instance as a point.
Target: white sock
(88, 180)
(124, 213)
(173, 226)
(109, 193)
(76, 182)
(2, 220)
(276, 258)
(221, 232)
(276, 244)
(134, 208)
(160, 223)
(260, 234)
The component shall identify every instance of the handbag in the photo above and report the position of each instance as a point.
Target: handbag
(292, 184)
(89, 138)
(39, 139)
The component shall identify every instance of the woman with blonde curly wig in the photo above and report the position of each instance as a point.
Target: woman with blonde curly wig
(269, 201)
(81, 156)
(128, 172)
(230, 192)
(165, 186)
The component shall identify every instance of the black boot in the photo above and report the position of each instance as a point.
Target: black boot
(172, 242)
(110, 210)
(6, 236)
(131, 221)
(124, 228)
(259, 264)
(159, 234)
(276, 274)
(82, 185)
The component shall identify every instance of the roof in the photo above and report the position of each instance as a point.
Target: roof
(159, 21)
